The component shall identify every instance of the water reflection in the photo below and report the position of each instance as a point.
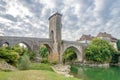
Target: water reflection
(95, 73)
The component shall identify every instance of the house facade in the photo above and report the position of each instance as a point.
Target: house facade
(102, 35)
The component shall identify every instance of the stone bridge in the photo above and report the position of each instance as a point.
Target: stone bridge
(54, 43)
(76, 46)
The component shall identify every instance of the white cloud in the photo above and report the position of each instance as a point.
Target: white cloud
(17, 9)
(30, 17)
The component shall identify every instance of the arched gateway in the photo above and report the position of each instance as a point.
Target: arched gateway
(54, 42)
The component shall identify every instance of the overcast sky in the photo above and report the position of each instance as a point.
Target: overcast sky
(29, 18)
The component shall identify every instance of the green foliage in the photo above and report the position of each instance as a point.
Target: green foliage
(44, 51)
(24, 62)
(69, 55)
(17, 48)
(10, 56)
(32, 55)
(115, 58)
(118, 44)
(99, 51)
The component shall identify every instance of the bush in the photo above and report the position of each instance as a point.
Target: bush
(44, 51)
(69, 55)
(99, 51)
(32, 55)
(115, 58)
(24, 62)
(10, 56)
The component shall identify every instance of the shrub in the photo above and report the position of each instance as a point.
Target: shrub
(44, 51)
(69, 55)
(115, 58)
(24, 62)
(32, 55)
(99, 51)
(10, 56)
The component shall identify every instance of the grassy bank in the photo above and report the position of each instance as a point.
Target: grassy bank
(40, 66)
(32, 75)
(37, 71)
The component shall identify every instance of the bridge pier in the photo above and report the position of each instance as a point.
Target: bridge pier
(36, 48)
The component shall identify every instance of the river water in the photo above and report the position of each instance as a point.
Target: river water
(95, 73)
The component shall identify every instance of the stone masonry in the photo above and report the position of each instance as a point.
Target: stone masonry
(54, 43)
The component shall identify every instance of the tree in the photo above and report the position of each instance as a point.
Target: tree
(99, 51)
(69, 55)
(17, 48)
(118, 44)
(44, 51)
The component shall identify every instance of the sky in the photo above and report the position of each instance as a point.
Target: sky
(29, 18)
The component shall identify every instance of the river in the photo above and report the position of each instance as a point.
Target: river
(95, 73)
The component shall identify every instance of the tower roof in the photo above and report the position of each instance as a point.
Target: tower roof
(54, 15)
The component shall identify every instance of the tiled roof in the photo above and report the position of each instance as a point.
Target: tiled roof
(86, 37)
(101, 34)
(104, 34)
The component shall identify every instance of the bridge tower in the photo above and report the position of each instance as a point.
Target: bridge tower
(55, 26)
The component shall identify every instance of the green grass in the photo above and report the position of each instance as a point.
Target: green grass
(37, 71)
(32, 75)
(40, 66)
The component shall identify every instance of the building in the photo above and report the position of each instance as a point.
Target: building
(85, 39)
(102, 35)
(109, 38)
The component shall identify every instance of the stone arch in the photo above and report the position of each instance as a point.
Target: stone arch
(77, 50)
(25, 43)
(6, 44)
(48, 47)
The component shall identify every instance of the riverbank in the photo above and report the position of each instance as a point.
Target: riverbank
(37, 71)
(62, 69)
(33, 75)
(105, 65)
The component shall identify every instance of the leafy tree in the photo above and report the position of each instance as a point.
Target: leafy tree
(118, 44)
(44, 51)
(69, 55)
(17, 48)
(99, 51)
